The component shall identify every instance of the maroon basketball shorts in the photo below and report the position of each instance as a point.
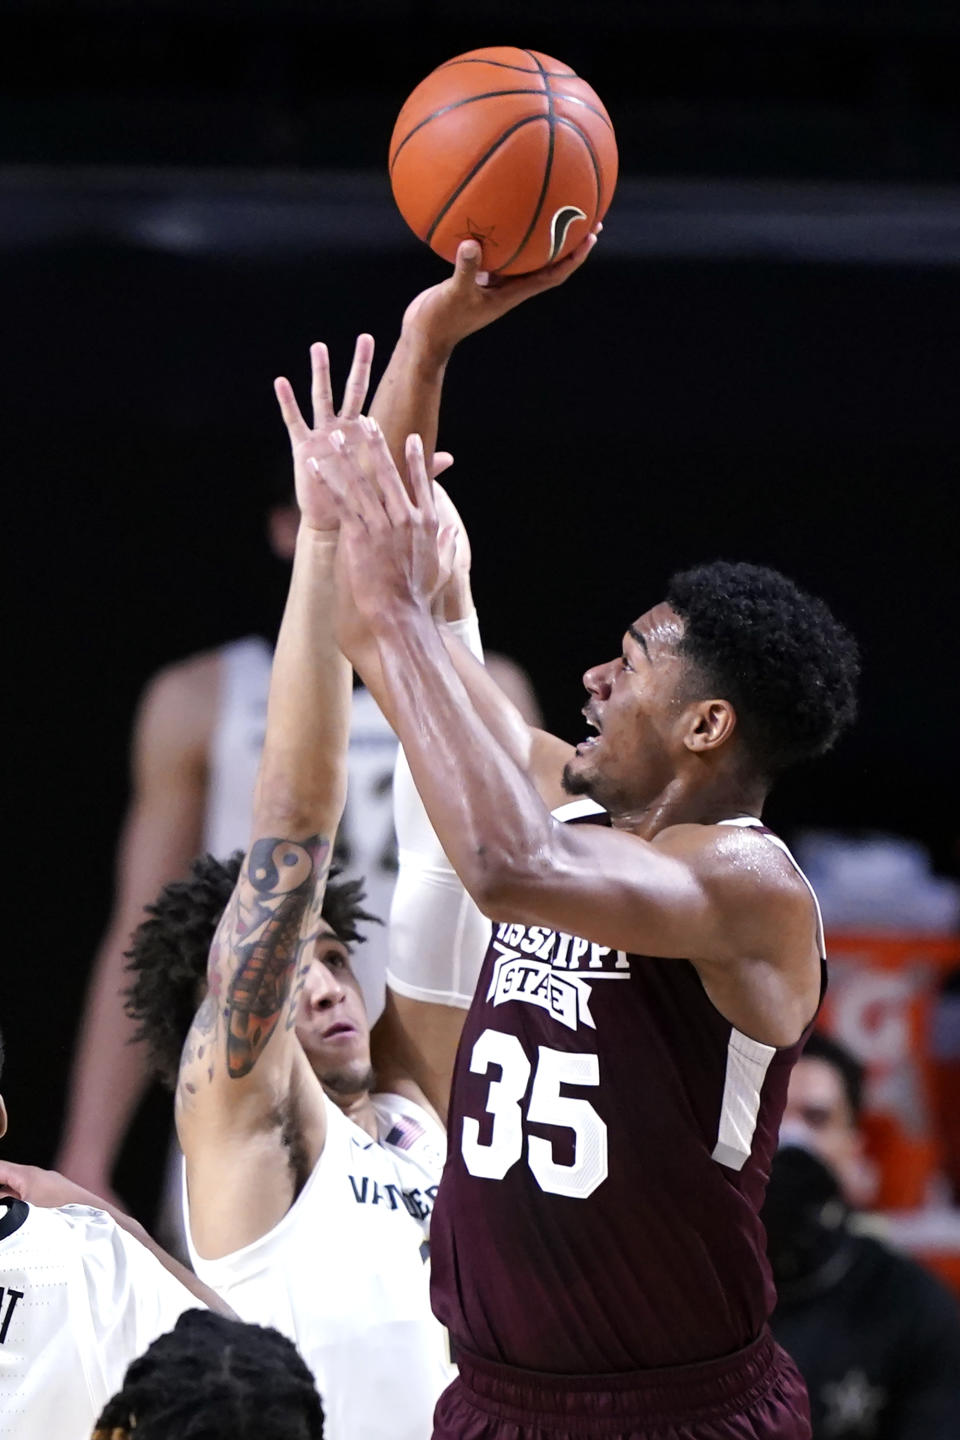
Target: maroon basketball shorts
(756, 1394)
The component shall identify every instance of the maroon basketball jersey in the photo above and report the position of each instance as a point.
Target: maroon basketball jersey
(610, 1139)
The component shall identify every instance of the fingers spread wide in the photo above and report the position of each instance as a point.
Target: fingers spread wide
(358, 381)
(289, 409)
(321, 389)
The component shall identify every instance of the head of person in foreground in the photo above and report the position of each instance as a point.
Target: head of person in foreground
(211, 1378)
(168, 965)
(824, 1114)
(733, 678)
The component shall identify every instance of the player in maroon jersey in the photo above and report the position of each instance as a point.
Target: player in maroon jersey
(654, 966)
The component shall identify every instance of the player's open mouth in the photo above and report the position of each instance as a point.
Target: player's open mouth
(338, 1032)
(591, 740)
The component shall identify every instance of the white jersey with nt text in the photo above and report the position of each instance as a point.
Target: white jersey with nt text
(365, 840)
(79, 1299)
(344, 1274)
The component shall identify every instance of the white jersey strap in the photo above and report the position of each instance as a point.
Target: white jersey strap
(751, 822)
(578, 810)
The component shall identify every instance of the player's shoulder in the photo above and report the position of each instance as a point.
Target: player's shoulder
(54, 1229)
(748, 873)
(84, 1224)
(190, 678)
(736, 854)
(178, 704)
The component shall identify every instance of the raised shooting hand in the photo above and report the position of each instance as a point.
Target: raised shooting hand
(472, 298)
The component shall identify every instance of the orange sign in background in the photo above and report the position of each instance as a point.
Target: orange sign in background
(880, 1004)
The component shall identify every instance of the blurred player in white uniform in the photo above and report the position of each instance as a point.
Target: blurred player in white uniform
(82, 1293)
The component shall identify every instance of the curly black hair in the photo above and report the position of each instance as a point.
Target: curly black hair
(211, 1378)
(168, 954)
(785, 662)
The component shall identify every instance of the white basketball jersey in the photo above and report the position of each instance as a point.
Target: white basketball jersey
(79, 1299)
(344, 1275)
(366, 837)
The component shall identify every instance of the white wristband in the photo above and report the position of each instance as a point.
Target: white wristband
(467, 631)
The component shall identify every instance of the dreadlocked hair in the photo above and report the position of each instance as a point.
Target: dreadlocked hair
(785, 662)
(211, 1378)
(167, 959)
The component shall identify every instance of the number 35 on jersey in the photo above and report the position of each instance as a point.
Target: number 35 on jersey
(509, 1142)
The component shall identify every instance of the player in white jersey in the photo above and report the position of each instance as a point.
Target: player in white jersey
(82, 1293)
(358, 1308)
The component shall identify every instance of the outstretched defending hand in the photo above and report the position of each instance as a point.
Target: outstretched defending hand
(472, 298)
(311, 445)
(393, 552)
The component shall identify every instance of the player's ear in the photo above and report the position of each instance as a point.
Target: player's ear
(3, 1118)
(710, 724)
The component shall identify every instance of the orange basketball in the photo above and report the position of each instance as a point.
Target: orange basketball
(507, 146)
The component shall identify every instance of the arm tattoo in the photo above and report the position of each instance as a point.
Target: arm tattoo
(263, 942)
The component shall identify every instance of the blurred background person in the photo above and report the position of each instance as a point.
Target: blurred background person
(212, 1378)
(876, 1337)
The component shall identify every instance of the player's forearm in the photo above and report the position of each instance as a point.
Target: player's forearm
(302, 780)
(496, 711)
(487, 814)
(261, 949)
(407, 400)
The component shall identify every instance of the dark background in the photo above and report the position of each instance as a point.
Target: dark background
(761, 361)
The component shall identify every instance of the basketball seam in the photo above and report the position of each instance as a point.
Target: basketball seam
(551, 119)
(454, 105)
(597, 174)
(501, 139)
(502, 65)
(575, 100)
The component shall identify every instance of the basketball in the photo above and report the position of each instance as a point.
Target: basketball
(506, 146)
